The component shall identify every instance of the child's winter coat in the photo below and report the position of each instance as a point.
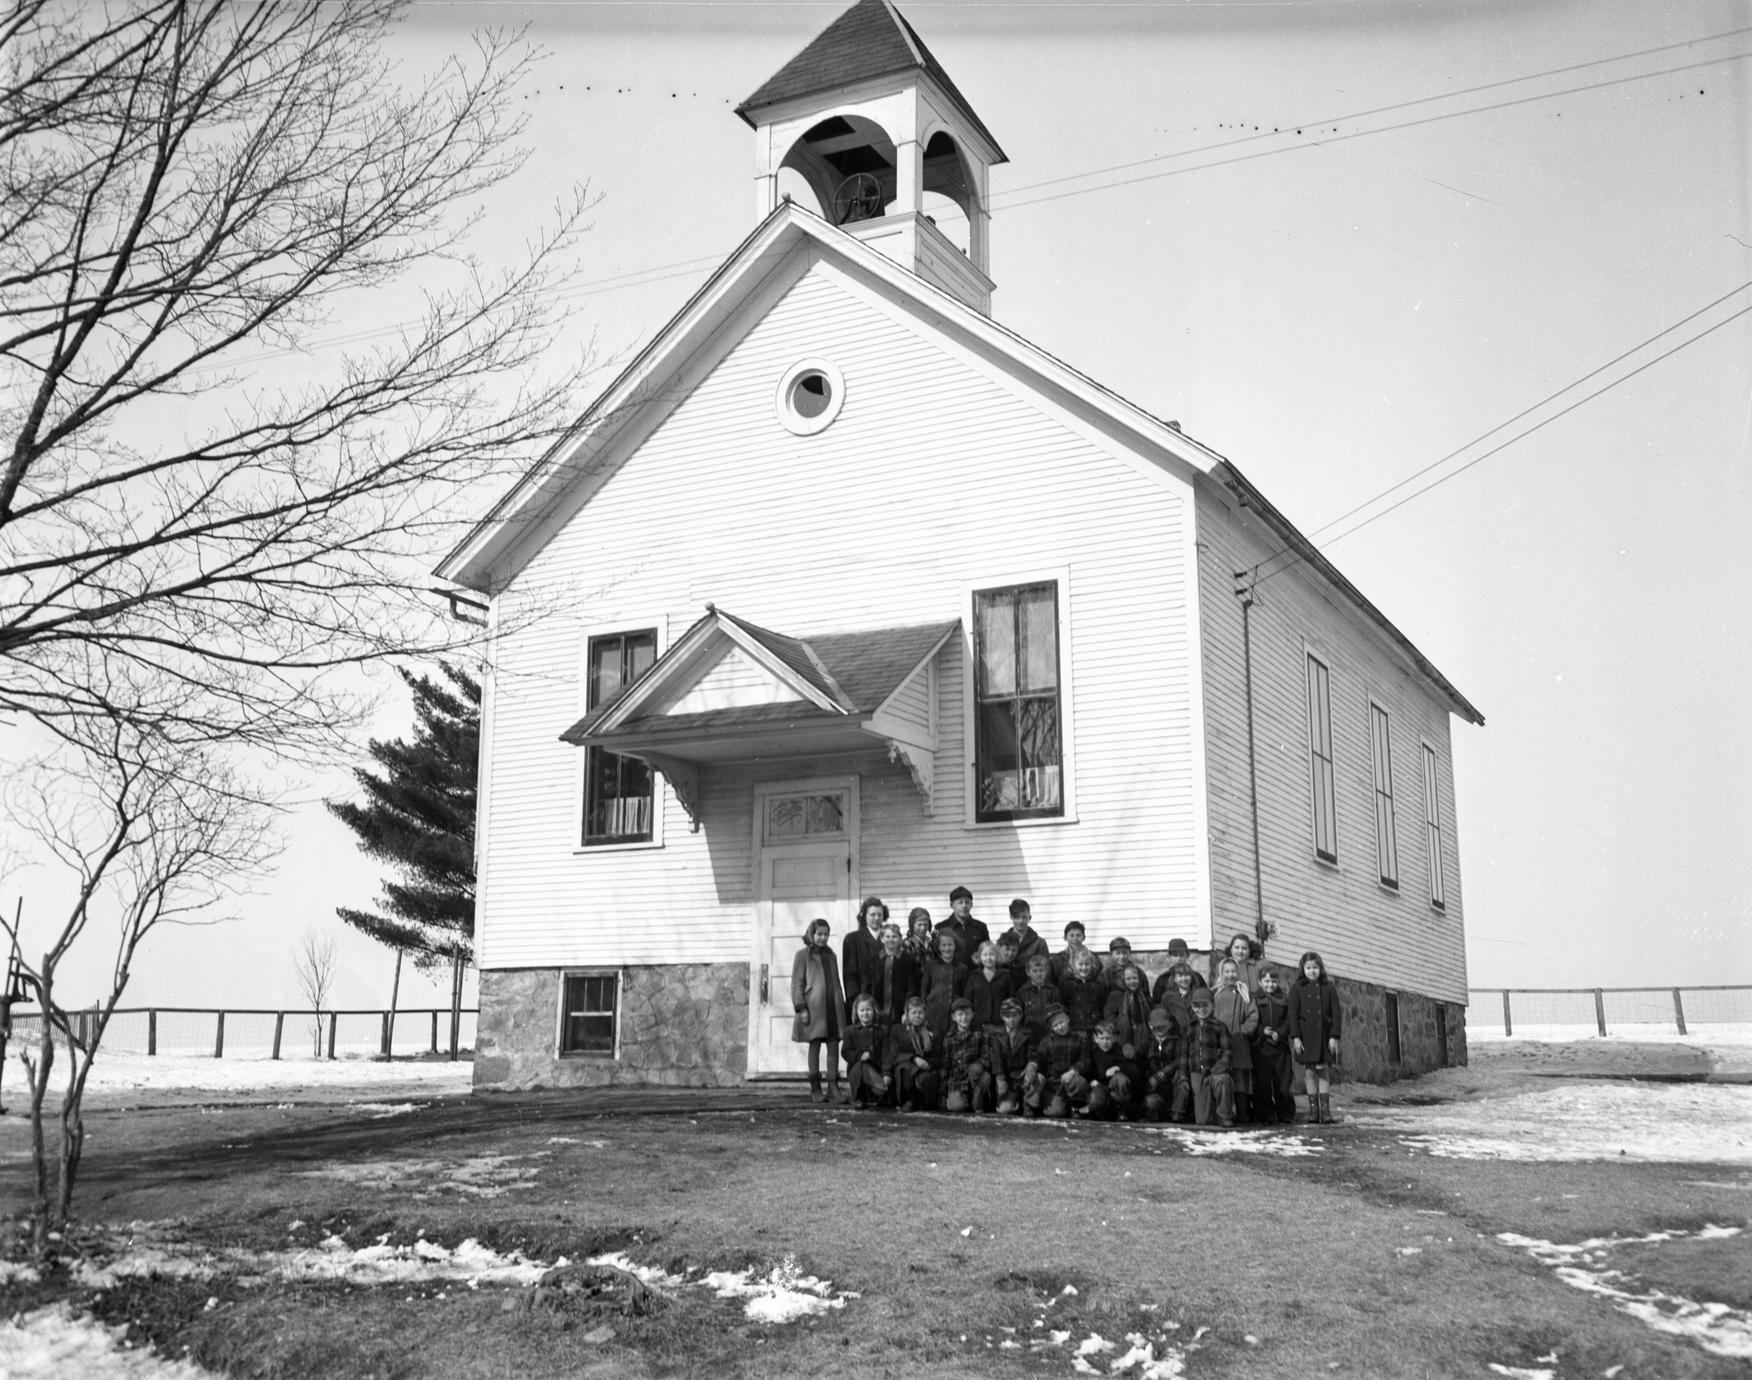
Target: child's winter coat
(816, 998)
(1241, 1016)
(1314, 1018)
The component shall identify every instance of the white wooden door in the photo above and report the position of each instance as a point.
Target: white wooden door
(805, 872)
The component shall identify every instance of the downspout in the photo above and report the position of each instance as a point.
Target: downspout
(1244, 586)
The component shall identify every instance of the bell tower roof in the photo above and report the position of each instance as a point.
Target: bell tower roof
(872, 39)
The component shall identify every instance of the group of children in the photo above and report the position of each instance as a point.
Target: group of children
(947, 1018)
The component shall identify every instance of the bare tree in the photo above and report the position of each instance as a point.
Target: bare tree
(313, 963)
(192, 485)
(147, 833)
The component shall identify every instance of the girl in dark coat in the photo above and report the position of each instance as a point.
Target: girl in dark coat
(1314, 1021)
(896, 977)
(861, 954)
(865, 1047)
(820, 1008)
(1128, 1007)
(1274, 1095)
(942, 980)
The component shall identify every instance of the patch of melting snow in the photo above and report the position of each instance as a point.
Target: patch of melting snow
(478, 1176)
(1196, 1142)
(1523, 1372)
(782, 1295)
(1661, 1123)
(53, 1342)
(380, 1110)
(1716, 1327)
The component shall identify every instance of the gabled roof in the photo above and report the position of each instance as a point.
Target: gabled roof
(872, 39)
(849, 675)
(497, 545)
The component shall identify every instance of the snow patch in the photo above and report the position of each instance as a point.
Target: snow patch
(783, 1295)
(1576, 1120)
(54, 1342)
(379, 1110)
(1716, 1327)
(1240, 1142)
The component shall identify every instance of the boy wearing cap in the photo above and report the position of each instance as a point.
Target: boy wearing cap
(1177, 954)
(1114, 1083)
(1119, 957)
(969, 933)
(1064, 1065)
(1063, 961)
(1165, 1087)
(911, 1059)
(966, 1083)
(1028, 943)
(1010, 1049)
(1205, 1059)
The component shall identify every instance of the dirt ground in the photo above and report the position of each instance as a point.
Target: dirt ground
(1478, 1222)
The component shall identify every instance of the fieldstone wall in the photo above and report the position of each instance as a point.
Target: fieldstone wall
(1363, 1048)
(681, 1025)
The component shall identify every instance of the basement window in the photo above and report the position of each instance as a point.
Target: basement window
(589, 1007)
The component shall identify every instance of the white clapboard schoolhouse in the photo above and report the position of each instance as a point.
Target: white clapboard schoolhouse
(843, 589)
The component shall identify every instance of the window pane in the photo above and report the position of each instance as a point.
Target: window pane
(1039, 619)
(618, 791)
(587, 1025)
(997, 645)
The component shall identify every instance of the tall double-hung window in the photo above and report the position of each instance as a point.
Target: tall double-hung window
(1018, 733)
(1386, 833)
(619, 793)
(1433, 828)
(1322, 784)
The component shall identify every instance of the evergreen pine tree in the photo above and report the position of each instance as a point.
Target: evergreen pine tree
(418, 815)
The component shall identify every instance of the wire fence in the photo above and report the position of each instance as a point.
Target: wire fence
(262, 1034)
(1605, 1009)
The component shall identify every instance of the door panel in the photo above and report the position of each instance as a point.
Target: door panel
(798, 883)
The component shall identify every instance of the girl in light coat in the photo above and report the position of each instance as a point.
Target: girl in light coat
(820, 1008)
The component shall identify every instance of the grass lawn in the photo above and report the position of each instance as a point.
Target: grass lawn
(955, 1246)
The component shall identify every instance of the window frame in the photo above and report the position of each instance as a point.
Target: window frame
(1059, 577)
(1313, 659)
(1386, 816)
(620, 627)
(1432, 785)
(567, 977)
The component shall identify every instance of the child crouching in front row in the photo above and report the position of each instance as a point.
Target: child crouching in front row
(1206, 1061)
(967, 1083)
(863, 1048)
(1064, 1067)
(1011, 1051)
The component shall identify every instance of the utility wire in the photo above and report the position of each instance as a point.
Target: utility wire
(1519, 436)
(1378, 110)
(663, 272)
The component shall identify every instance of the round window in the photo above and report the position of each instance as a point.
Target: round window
(810, 396)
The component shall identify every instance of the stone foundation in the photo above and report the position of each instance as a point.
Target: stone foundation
(681, 1025)
(686, 1025)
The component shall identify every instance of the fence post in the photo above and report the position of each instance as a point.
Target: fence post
(219, 1037)
(434, 1030)
(1600, 1010)
(1679, 1011)
(152, 1030)
(1508, 1025)
(385, 1039)
(279, 1025)
(334, 1022)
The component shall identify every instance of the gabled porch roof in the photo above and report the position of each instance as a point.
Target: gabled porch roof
(731, 691)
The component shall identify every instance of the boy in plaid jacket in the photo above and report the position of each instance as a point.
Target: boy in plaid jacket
(1206, 1062)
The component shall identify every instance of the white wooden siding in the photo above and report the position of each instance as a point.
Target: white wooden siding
(1362, 928)
(934, 477)
(910, 703)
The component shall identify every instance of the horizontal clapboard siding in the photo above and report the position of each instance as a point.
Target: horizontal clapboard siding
(1362, 929)
(934, 477)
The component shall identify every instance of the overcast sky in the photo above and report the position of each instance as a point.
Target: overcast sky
(1339, 243)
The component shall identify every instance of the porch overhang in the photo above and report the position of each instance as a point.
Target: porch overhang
(729, 692)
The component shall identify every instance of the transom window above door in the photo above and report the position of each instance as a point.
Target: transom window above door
(804, 817)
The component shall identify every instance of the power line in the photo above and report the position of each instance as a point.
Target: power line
(1380, 110)
(664, 272)
(1519, 436)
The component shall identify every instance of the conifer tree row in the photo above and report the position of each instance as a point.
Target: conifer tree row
(418, 815)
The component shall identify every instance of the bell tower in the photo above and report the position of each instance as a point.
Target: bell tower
(870, 125)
